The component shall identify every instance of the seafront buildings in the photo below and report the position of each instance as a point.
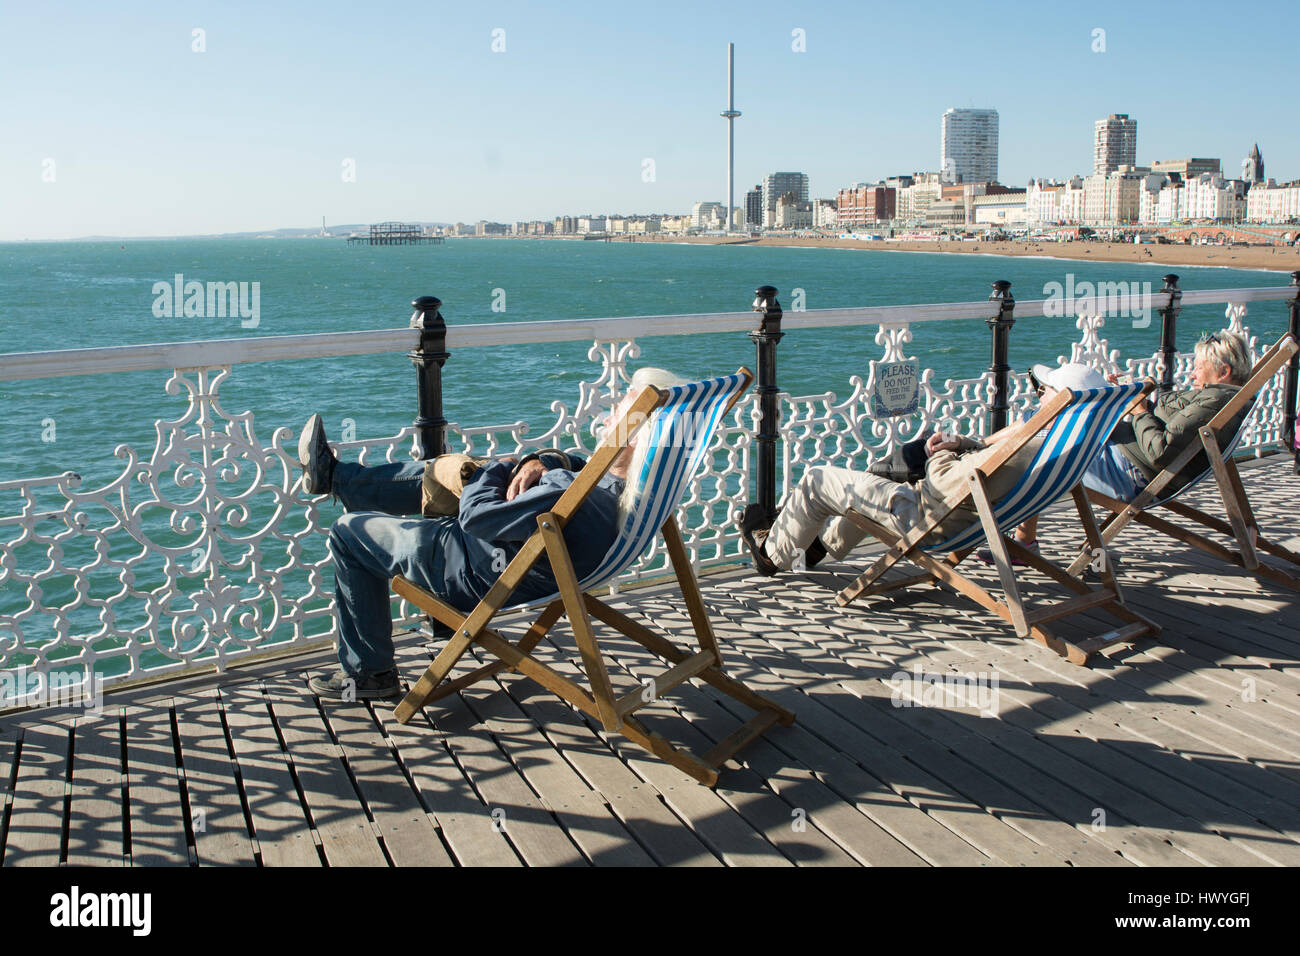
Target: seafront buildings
(965, 196)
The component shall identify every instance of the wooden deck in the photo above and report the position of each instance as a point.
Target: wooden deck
(1184, 752)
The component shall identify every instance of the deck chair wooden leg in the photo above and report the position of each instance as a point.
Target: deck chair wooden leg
(1234, 501)
(984, 507)
(567, 581)
(1095, 541)
(900, 547)
(690, 589)
(539, 629)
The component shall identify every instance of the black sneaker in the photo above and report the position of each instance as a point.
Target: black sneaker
(344, 686)
(754, 527)
(316, 458)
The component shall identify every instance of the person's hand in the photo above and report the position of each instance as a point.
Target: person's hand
(1112, 377)
(529, 475)
(939, 441)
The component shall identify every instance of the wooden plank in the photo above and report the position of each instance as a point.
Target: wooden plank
(281, 828)
(580, 810)
(713, 821)
(158, 836)
(407, 829)
(217, 821)
(35, 835)
(760, 808)
(337, 813)
(878, 822)
(96, 829)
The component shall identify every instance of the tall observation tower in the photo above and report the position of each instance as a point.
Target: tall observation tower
(730, 114)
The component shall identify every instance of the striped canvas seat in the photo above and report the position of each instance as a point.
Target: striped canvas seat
(1075, 438)
(676, 427)
(1070, 429)
(677, 436)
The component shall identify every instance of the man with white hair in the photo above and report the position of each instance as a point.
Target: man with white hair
(457, 556)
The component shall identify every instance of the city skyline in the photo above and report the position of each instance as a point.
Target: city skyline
(141, 134)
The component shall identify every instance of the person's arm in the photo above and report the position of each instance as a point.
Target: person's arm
(1163, 440)
(485, 512)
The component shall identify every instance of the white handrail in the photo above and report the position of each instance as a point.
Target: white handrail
(274, 348)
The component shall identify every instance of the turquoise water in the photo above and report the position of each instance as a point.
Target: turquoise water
(78, 295)
(69, 295)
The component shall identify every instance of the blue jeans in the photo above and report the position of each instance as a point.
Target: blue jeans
(1113, 474)
(372, 542)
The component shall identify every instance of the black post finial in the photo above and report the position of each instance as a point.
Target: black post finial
(428, 358)
(1000, 324)
(765, 339)
(1169, 331)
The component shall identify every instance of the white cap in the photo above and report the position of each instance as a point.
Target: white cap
(1074, 376)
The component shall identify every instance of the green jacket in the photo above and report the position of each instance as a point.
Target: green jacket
(1155, 438)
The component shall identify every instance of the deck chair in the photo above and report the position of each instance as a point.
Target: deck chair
(1075, 426)
(679, 425)
(1240, 525)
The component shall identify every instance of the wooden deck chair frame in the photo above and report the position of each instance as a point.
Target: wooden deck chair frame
(1240, 525)
(1027, 623)
(616, 714)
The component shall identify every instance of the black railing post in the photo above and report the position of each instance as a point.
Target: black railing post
(765, 338)
(428, 359)
(1292, 380)
(1001, 324)
(1169, 331)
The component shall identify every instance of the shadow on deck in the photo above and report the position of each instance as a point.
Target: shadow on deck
(1181, 752)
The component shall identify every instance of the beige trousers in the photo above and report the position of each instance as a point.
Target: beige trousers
(815, 508)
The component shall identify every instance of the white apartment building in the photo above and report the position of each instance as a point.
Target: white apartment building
(1007, 210)
(1112, 197)
(912, 203)
(968, 146)
(1149, 197)
(1114, 143)
(591, 224)
(1269, 202)
(708, 215)
(776, 185)
(1212, 197)
(791, 213)
(825, 215)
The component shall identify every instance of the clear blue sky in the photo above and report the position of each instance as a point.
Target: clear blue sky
(148, 137)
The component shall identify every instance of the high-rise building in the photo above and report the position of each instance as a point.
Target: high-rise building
(1252, 168)
(968, 146)
(754, 207)
(776, 185)
(1114, 143)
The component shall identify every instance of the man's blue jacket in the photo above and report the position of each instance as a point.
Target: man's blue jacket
(481, 541)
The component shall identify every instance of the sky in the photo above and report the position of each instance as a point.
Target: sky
(175, 118)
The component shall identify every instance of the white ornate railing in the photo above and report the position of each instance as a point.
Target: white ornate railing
(205, 550)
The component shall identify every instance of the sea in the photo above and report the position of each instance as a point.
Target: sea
(79, 295)
(97, 294)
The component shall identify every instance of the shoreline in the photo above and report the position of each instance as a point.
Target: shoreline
(1284, 259)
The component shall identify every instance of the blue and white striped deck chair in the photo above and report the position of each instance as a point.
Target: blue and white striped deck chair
(678, 425)
(1075, 426)
(1240, 524)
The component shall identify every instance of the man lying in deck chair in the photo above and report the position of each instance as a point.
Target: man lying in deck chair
(812, 523)
(1154, 437)
(458, 557)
